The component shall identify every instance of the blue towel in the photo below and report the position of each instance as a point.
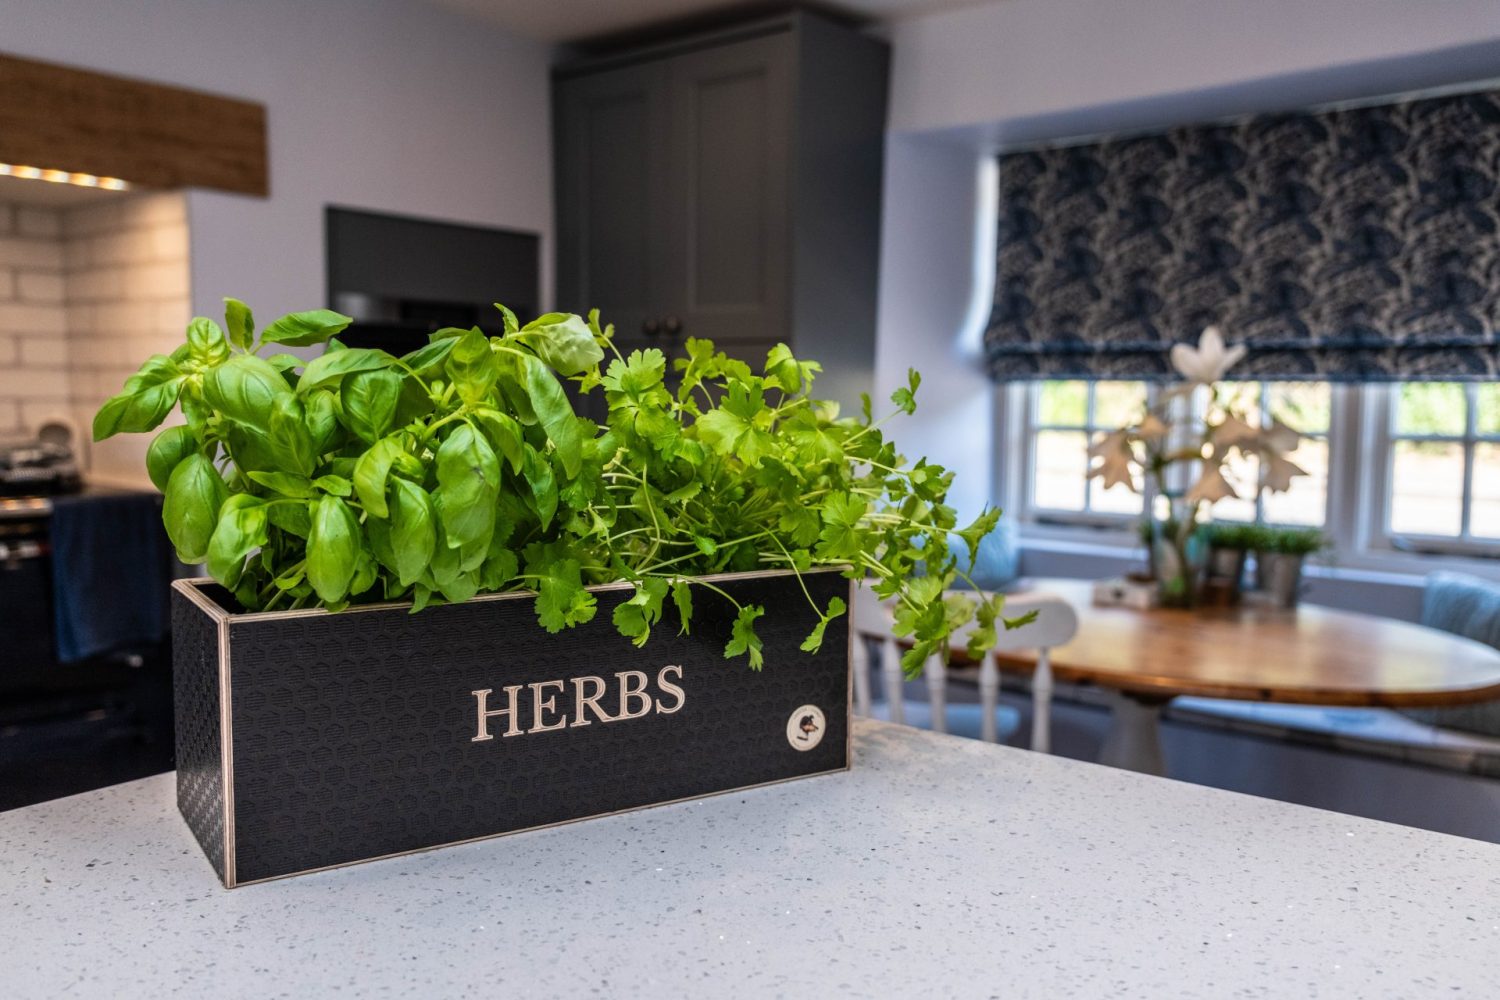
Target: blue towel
(112, 567)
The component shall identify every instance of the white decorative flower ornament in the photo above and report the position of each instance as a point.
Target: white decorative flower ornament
(1115, 456)
(1206, 363)
(1211, 485)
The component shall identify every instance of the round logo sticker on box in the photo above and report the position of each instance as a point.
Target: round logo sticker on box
(804, 730)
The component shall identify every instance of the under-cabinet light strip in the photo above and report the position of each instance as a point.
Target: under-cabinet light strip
(63, 177)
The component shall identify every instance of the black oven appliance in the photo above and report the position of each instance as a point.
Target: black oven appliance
(402, 278)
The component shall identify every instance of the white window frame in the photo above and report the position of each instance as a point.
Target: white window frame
(1358, 476)
(1051, 516)
(1383, 437)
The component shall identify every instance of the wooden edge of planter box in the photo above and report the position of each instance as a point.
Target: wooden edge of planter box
(191, 589)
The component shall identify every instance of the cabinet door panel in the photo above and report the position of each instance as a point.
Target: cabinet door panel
(728, 257)
(612, 152)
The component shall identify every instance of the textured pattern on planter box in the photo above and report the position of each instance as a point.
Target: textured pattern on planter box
(353, 732)
(195, 684)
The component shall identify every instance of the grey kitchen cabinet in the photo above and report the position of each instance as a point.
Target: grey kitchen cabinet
(727, 186)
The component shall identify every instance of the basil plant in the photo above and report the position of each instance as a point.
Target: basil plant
(462, 468)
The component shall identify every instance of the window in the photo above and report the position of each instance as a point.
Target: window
(1402, 478)
(1306, 408)
(1067, 417)
(1442, 461)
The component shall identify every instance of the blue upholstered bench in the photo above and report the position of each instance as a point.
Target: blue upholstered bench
(1464, 738)
(1468, 606)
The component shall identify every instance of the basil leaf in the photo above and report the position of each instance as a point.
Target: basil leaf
(511, 323)
(136, 411)
(413, 534)
(241, 530)
(504, 433)
(285, 484)
(334, 365)
(538, 472)
(322, 409)
(337, 485)
(167, 449)
(333, 547)
(244, 389)
(295, 518)
(425, 360)
(369, 402)
(195, 492)
(468, 475)
(291, 442)
(472, 366)
(250, 449)
(371, 471)
(555, 414)
(241, 323)
(155, 370)
(206, 342)
(302, 329)
(564, 342)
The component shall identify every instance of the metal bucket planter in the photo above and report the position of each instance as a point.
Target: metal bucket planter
(308, 740)
(1223, 576)
(1278, 576)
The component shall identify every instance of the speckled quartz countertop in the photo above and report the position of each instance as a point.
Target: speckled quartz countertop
(937, 867)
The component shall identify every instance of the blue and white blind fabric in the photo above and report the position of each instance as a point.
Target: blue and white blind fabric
(1359, 244)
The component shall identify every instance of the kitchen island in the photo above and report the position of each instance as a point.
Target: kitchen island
(936, 867)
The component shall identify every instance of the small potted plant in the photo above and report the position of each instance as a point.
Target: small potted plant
(1229, 544)
(1280, 553)
(444, 606)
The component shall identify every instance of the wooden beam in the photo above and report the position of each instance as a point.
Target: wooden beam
(151, 135)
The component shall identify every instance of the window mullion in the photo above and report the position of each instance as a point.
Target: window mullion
(1471, 428)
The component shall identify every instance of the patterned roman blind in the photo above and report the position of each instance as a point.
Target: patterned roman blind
(1360, 244)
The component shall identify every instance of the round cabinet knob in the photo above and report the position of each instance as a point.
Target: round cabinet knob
(651, 327)
(672, 325)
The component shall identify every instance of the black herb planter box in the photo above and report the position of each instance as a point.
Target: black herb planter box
(308, 740)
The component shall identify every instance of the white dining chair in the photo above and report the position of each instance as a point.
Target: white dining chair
(1056, 623)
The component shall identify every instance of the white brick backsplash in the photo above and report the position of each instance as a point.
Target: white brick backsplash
(24, 251)
(78, 253)
(24, 317)
(34, 413)
(80, 318)
(173, 317)
(156, 282)
(120, 318)
(96, 284)
(129, 246)
(18, 383)
(156, 210)
(44, 352)
(43, 222)
(169, 242)
(39, 286)
(90, 220)
(86, 294)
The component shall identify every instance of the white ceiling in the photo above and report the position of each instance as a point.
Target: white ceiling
(570, 20)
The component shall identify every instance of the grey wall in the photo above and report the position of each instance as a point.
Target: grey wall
(391, 105)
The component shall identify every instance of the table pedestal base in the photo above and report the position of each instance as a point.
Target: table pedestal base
(1134, 740)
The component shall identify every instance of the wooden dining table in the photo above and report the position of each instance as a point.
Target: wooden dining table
(1307, 655)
